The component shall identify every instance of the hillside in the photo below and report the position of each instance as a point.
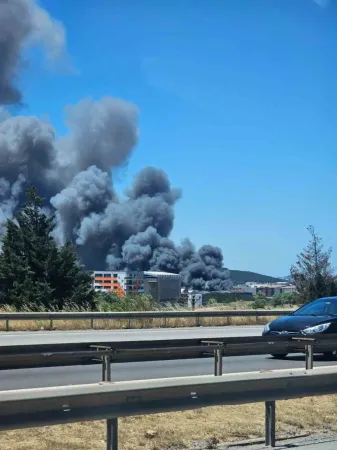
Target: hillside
(243, 276)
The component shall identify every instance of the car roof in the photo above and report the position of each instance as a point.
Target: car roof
(334, 299)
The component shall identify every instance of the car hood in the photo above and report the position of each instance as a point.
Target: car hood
(297, 323)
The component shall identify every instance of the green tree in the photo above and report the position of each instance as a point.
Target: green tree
(69, 281)
(260, 301)
(34, 270)
(25, 257)
(286, 298)
(313, 274)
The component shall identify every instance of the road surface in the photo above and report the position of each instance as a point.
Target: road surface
(57, 376)
(60, 337)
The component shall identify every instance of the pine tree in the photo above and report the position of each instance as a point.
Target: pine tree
(313, 274)
(35, 271)
(14, 268)
(70, 282)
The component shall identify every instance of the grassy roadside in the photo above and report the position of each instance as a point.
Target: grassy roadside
(105, 324)
(105, 302)
(179, 430)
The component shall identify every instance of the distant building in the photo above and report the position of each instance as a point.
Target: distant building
(268, 289)
(120, 282)
(192, 298)
(162, 286)
(246, 291)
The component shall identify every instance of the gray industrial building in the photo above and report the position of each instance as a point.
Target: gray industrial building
(162, 286)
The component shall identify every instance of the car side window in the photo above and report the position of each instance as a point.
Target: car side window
(318, 307)
(331, 308)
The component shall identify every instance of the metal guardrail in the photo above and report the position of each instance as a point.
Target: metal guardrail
(65, 404)
(92, 316)
(108, 353)
(218, 349)
(71, 354)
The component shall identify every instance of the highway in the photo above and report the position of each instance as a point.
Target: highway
(153, 334)
(57, 376)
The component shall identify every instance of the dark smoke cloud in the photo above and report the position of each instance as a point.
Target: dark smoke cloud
(9, 199)
(102, 133)
(28, 149)
(73, 172)
(120, 220)
(152, 182)
(24, 23)
(148, 250)
(203, 270)
(89, 191)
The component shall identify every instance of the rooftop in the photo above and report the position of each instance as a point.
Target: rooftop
(158, 274)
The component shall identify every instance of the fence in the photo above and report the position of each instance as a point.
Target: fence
(49, 406)
(65, 404)
(84, 353)
(92, 316)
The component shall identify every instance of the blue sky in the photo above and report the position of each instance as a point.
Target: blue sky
(238, 104)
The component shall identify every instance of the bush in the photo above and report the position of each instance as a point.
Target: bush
(103, 301)
(284, 299)
(259, 303)
(109, 301)
(225, 297)
(212, 302)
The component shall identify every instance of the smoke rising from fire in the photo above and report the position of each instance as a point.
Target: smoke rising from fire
(73, 172)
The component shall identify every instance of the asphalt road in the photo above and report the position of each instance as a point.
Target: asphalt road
(59, 337)
(57, 376)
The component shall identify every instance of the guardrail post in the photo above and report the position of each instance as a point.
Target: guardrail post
(197, 319)
(112, 434)
(111, 424)
(270, 423)
(51, 324)
(7, 324)
(309, 357)
(218, 362)
(92, 324)
(106, 368)
(164, 322)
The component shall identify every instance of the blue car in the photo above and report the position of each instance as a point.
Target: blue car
(318, 316)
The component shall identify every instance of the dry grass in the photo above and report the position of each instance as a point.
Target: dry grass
(179, 429)
(116, 324)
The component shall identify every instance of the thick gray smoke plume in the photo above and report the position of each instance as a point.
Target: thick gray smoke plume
(24, 23)
(101, 133)
(73, 172)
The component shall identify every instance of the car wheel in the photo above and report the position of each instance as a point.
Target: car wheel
(279, 355)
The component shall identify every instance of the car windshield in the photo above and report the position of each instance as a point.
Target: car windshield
(320, 307)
